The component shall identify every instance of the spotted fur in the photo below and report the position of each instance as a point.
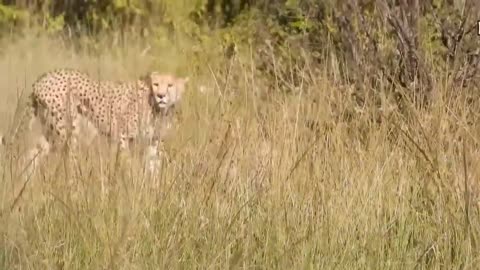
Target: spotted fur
(122, 111)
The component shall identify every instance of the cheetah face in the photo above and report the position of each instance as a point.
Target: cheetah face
(166, 90)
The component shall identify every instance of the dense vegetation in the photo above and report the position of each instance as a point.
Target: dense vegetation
(403, 42)
(315, 134)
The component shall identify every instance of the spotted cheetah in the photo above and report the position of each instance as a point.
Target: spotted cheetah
(122, 111)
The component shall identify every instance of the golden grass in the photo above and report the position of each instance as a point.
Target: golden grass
(276, 182)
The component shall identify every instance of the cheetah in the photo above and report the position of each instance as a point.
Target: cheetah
(122, 111)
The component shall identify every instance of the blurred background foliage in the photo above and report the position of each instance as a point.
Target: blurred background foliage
(403, 42)
(331, 133)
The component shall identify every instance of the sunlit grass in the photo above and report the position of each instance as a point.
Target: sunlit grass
(252, 177)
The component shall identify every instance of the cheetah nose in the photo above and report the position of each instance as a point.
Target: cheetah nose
(161, 95)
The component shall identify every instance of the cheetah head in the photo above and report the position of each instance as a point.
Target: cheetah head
(165, 89)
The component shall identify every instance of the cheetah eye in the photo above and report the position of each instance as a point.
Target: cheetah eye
(155, 84)
(170, 85)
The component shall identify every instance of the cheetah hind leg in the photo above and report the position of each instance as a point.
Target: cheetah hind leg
(36, 154)
(53, 137)
(38, 151)
(70, 142)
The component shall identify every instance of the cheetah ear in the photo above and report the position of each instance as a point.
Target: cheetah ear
(151, 75)
(182, 83)
(183, 80)
(147, 78)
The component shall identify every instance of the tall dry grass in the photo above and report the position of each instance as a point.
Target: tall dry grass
(252, 177)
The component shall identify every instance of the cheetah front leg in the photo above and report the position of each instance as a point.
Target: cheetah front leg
(151, 152)
(153, 157)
